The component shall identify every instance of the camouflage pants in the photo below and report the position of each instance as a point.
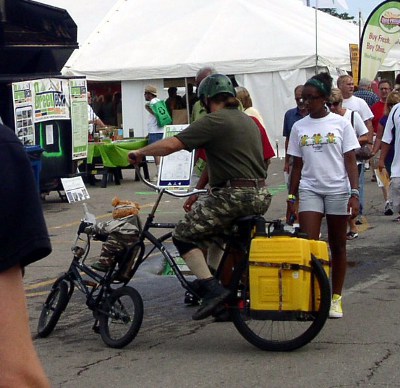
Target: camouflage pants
(120, 235)
(214, 214)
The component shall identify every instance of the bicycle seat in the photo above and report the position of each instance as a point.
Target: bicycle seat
(243, 226)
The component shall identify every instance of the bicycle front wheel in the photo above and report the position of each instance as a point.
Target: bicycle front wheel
(52, 309)
(120, 317)
(271, 331)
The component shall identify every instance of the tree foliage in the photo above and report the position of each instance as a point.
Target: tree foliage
(333, 12)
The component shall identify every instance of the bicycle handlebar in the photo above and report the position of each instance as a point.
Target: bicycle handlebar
(166, 191)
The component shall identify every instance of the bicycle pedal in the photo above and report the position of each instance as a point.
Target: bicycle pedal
(190, 299)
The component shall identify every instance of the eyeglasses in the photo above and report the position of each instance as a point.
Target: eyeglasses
(310, 98)
(336, 103)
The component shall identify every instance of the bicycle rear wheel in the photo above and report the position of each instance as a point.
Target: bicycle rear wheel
(120, 317)
(271, 331)
(52, 309)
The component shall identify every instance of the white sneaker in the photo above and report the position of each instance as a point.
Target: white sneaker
(388, 211)
(154, 179)
(336, 310)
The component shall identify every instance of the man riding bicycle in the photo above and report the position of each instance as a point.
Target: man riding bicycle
(236, 176)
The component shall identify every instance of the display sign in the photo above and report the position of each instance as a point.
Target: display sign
(354, 60)
(175, 169)
(380, 34)
(51, 99)
(79, 117)
(75, 189)
(23, 112)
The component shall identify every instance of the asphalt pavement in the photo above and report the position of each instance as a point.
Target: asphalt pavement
(360, 350)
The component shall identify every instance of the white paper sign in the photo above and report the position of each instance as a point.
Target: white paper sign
(75, 189)
(175, 169)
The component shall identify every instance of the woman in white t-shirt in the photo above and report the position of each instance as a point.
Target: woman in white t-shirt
(335, 105)
(322, 145)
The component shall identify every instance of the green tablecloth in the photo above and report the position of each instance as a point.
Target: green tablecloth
(114, 154)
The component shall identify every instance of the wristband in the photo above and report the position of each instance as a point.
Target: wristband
(354, 193)
(291, 198)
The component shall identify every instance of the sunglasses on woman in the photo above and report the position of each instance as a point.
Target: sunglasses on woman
(336, 103)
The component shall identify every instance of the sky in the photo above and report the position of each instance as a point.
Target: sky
(355, 6)
(365, 6)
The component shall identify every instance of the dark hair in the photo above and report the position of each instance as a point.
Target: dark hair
(322, 82)
(397, 79)
(385, 81)
(228, 100)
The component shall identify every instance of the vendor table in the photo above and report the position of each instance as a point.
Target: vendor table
(113, 156)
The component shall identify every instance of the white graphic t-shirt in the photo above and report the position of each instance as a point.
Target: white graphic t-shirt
(321, 143)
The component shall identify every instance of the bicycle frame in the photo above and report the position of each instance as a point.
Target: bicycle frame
(157, 243)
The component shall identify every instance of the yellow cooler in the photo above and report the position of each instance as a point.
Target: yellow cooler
(279, 274)
(320, 250)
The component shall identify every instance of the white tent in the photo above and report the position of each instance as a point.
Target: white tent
(269, 45)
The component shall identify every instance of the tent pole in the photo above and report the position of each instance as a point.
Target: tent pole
(316, 37)
(187, 101)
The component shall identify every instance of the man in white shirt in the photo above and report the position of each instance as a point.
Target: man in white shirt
(392, 131)
(346, 85)
(155, 132)
(93, 119)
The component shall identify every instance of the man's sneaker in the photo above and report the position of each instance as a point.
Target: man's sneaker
(351, 235)
(336, 307)
(388, 209)
(214, 296)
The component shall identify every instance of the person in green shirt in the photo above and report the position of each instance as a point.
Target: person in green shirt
(236, 176)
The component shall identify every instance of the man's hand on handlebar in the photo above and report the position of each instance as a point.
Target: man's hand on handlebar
(187, 206)
(135, 158)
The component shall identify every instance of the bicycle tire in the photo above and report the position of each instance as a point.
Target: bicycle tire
(124, 309)
(272, 334)
(52, 309)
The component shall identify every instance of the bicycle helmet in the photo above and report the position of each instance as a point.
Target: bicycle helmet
(215, 84)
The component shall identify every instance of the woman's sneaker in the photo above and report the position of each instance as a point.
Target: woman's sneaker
(336, 307)
(351, 235)
(388, 209)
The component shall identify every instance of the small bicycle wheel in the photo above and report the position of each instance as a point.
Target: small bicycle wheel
(52, 309)
(269, 331)
(120, 317)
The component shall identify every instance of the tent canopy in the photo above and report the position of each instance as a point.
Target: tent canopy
(270, 46)
(145, 39)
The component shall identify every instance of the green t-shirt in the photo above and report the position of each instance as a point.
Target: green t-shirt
(232, 142)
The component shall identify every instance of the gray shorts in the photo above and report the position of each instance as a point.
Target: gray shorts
(335, 204)
(395, 193)
(213, 214)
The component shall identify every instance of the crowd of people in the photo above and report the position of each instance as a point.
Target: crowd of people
(324, 129)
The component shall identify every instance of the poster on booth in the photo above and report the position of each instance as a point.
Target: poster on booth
(24, 112)
(175, 169)
(52, 100)
(38, 101)
(49, 99)
(380, 34)
(79, 117)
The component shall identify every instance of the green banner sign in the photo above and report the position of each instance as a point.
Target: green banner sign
(381, 32)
